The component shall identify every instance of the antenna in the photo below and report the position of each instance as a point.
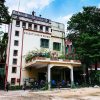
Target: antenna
(18, 9)
(18, 5)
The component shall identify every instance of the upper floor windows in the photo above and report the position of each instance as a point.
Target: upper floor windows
(14, 61)
(14, 69)
(17, 23)
(41, 28)
(29, 25)
(16, 42)
(47, 29)
(16, 33)
(56, 46)
(51, 30)
(44, 43)
(15, 53)
(24, 24)
(35, 27)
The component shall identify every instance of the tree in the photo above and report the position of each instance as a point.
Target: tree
(4, 18)
(86, 21)
(3, 47)
(4, 15)
(84, 31)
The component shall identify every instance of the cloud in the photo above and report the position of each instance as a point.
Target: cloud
(64, 19)
(27, 5)
(39, 4)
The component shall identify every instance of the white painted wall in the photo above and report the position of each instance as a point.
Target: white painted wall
(31, 41)
(12, 48)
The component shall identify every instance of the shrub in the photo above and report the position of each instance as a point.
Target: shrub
(95, 77)
(17, 87)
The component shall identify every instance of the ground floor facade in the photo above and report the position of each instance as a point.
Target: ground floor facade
(49, 71)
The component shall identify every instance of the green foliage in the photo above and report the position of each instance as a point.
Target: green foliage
(84, 31)
(73, 85)
(37, 53)
(86, 21)
(95, 77)
(28, 57)
(47, 55)
(62, 56)
(3, 47)
(17, 87)
(72, 56)
(45, 87)
(4, 15)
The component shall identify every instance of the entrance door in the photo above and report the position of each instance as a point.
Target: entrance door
(42, 76)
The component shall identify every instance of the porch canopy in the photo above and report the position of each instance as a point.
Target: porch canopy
(39, 63)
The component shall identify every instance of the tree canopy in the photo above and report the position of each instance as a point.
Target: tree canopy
(4, 18)
(4, 14)
(3, 47)
(84, 31)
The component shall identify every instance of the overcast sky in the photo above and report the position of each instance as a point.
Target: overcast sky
(57, 10)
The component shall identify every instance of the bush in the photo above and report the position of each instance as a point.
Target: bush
(16, 87)
(62, 56)
(95, 77)
(45, 87)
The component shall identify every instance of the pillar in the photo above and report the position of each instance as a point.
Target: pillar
(72, 76)
(49, 75)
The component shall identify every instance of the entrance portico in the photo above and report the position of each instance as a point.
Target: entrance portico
(49, 64)
(49, 73)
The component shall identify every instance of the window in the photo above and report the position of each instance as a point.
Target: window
(24, 24)
(18, 80)
(41, 28)
(16, 33)
(44, 43)
(56, 46)
(29, 25)
(16, 42)
(47, 28)
(35, 27)
(14, 61)
(51, 30)
(13, 81)
(17, 23)
(14, 69)
(15, 53)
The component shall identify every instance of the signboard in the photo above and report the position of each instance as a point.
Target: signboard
(36, 34)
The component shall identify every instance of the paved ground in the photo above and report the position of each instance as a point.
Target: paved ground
(62, 94)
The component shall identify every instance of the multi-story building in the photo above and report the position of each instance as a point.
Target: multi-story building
(29, 32)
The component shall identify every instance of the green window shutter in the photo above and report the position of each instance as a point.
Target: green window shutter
(44, 43)
(56, 46)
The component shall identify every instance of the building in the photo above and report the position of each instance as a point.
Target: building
(30, 33)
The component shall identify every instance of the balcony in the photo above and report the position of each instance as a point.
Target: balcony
(46, 58)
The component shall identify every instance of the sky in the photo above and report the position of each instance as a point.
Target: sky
(56, 10)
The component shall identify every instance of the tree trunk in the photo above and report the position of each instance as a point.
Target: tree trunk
(96, 64)
(87, 74)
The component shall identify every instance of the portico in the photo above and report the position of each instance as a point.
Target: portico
(49, 64)
(49, 73)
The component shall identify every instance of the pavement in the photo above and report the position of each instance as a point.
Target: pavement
(56, 94)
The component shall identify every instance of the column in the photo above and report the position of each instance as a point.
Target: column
(49, 75)
(71, 76)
